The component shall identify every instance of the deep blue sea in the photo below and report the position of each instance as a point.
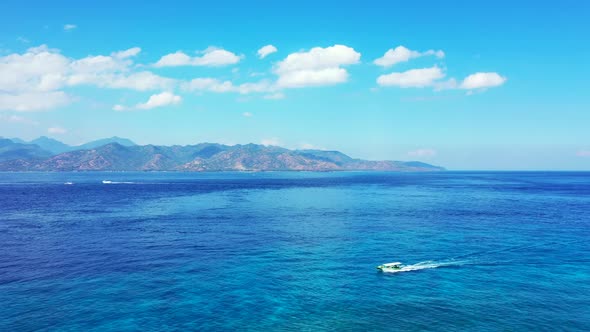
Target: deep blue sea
(493, 251)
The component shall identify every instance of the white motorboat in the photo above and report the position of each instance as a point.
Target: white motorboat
(391, 267)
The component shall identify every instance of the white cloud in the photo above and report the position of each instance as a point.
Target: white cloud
(266, 50)
(97, 64)
(127, 53)
(247, 114)
(413, 78)
(212, 57)
(319, 58)
(482, 81)
(271, 141)
(68, 27)
(102, 64)
(216, 57)
(403, 54)
(583, 153)
(318, 77)
(425, 153)
(39, 69)
(115, 71)
(57, 130)
(431, 77)
(40, 72)
(159, 100)
(174, 59)
(43, 69)
(33, 101)
(316, 67)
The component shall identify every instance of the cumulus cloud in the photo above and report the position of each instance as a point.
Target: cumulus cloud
(403, 54)
(316, 67)
(431, 77)
(413, 78)
(41, 72)
(39, 69)
(57, 130)
(212, 57)
(318, 77)
(266, 50)
(422, 153)
(115, 71)
(482, 81)
(157, 100)
(68, 27)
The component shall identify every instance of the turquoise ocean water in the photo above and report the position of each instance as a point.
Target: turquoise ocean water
(492, 251)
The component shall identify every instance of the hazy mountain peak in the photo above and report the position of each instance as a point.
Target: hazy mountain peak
(10, 150)
(105, 141)
(50, 144)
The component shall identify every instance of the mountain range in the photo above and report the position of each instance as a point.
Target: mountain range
(55, 147)
(119, 154)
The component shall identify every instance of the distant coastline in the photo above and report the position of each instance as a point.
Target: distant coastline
(122, 155)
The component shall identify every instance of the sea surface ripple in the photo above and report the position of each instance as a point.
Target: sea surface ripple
(491, 251)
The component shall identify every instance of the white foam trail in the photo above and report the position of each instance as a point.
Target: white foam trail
(425, 265)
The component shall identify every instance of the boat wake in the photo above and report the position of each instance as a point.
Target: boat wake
(427, 265)
(486, 258)
(116, 182)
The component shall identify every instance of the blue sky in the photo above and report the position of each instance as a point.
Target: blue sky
(463, 84)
